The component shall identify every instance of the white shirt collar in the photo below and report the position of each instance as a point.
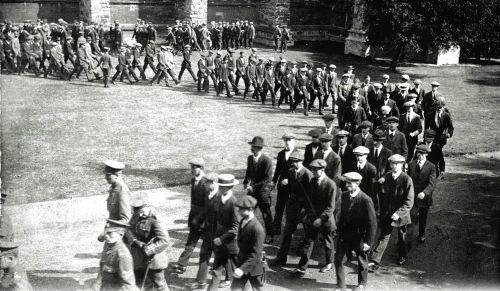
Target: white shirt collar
(361, 166)
(327, 152)
(213, 193)
(226, 197)
(395, 176)
(198, 178)
(321, 177)
(393, 132)
(355, 193)
(256, 158)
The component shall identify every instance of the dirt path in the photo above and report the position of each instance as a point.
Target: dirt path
(60, 250)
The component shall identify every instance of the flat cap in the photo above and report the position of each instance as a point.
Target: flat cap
(377, 85)
(246, 202)
(412, 95)
(409, 104)
(288, 136)
(403, 86)
(314, 132)
(271, 59)
(318, 163)
(366, 124)
(429, 132)
(199, 162)
(361, 150)
(319, 70)
(423, 148)
(325, 137)
(328, 116)
(392, 119)
(397, 158)
(332, 66)
(346, 76)
(253, 49)
(417, 81)
(115, 165)
(385, 109)
(342, 133)
(230, 50)
(138, 44)
(353, 177)
(350, 68)
(385, 76)
(435, 84)
(227, 180)
(294, 62)
(282, 61)
(261, 58)
(303, 69)
(405, 77)
(296, 155)
(379, 135)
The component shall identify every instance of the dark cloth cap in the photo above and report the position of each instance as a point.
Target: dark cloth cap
(314, 132)
(423, 148)
(366, 124)
(318, 163)
(296, 155)
(328, 116)
(429, 132)
(246, 202)
(379, 135)
(392, 119)
(326, 137)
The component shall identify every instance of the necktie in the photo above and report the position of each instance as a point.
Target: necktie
(376, 153)
(408, 118)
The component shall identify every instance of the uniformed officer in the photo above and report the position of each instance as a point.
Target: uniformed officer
(116, 268)
(186, 63)
(119, 194)
(357, 227)
(249, 263)
(148, 241)
(12, 278)
(106, 66)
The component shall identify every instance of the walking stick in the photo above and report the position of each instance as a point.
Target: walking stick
(145, 277)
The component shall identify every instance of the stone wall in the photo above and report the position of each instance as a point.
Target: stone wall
(232, 10)
(157, 11)
(18, 11)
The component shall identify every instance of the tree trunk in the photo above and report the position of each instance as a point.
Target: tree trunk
(397, 56)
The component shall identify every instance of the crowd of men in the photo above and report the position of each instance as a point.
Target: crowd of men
(351, 186)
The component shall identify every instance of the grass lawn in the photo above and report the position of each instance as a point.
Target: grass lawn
(55, 133)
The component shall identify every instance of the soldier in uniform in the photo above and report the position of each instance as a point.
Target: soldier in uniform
(301, 92)
(199, 194)
(12, 277)
(122, 67)
(186, 63)
(148, 241)
(249, 263)
(344, 89)
(357, 227)
(394, 212)
(203, 73)
(106, 66)
(136, 60)
(330, 87)
(119, 195)
(116, 268)
(258, 182)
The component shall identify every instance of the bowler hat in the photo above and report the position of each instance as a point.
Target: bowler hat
(257, 141)
(246, 202)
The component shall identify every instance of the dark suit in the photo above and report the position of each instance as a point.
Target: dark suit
(357, 225)
(358, 140)
(259, 176)
(396, 143)
(399, 195)
(322, 203)
(227, 231)
(429, 100)
(348, 159)
(424, 180)
(443, 129)
(309, 154)
(333, 165)
(374, 99)
(392, 104)
(281, 173)
(369, 174)
(415, 125)
(420, 94)
(199, 197)
(381, 163)
(300, 186)
(436, 157)
(251, 244)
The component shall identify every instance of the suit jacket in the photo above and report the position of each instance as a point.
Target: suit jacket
(374, 99)
(199, 196)
(381, 163)
(396, 144)
(331, 83)
(348, 159)
(282, 167)
(415, 124)
(318, 84)
(398, 198)
(151, 231)
(445, 124)
(105, 61)
(324, 199)
(357, 140)
(424, 180)
(420, 94)
(309, 155)
(334, 164)
(392, 104)
(343, 94)
(300, 183)
(357, 220)
(429, 99)
(436, 157)
(251, 244)
(228, 224)
(259, 174)
(369, 174)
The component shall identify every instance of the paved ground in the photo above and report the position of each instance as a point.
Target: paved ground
(55, 135)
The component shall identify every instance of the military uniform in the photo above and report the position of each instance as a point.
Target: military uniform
(148, 240)
(116, 268)
(118, 202)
